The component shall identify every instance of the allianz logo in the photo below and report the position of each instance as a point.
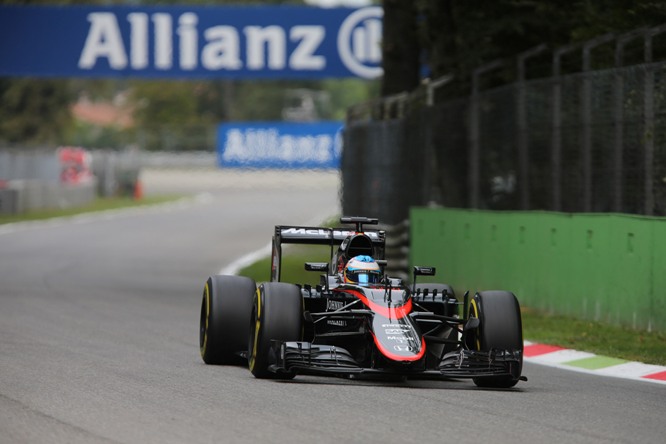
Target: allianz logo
(265, 47)
(269, 144)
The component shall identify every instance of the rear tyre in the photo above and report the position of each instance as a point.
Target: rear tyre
(225, 315)
(277, 314)
(500, 327)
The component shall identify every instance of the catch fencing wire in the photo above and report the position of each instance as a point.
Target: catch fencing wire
(587, 142)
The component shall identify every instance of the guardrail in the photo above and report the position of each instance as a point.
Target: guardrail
(21, 196)
(35, 179)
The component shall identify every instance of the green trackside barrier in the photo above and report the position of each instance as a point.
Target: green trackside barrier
(603, 267)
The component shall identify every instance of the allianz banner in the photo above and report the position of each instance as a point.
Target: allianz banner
(190, 42)
(316, 145)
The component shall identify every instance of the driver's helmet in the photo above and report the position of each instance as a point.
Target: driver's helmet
(362, 270)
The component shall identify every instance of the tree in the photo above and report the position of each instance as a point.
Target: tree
(34, 112)
(400, 47)
(457, 36)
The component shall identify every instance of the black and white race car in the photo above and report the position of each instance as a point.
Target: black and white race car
(357, 321)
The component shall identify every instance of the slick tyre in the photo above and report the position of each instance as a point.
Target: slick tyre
(277, 314)
(225, 315)
(500, 327)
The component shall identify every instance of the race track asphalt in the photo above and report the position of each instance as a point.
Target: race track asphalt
(99, 343)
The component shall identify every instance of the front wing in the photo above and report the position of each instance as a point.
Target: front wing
(316, 359)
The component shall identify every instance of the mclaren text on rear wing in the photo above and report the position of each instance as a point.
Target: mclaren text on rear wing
(321, 236)
(286, 234)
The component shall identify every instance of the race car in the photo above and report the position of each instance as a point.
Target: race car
(358, 322)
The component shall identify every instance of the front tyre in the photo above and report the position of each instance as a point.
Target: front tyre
(500, 328)
(277, 314)
(225, 313)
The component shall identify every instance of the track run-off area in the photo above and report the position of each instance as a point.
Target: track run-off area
(99, 341)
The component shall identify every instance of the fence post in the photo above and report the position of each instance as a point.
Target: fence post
(556, 141)
(433, 189)
(586, 104)
(648, 135)
(523, 138)
(432, 86)
(473, 159)
(474, 167)
(618, 119)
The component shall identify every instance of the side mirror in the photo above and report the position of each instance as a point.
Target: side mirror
(421, 271)
(321, 267)
(424, 271)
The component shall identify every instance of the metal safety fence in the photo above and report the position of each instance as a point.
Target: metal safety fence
(592, 141)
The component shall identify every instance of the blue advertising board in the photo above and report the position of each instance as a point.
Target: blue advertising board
(316, 145)
(190, 42)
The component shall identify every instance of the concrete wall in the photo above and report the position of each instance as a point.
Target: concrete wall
(30, 180)
(604, 267)
(25, 164)
(30, 195)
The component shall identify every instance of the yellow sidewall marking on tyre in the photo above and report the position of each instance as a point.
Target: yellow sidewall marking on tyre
(302, 324)
(475, 310)
(205, 340)
(257, 326)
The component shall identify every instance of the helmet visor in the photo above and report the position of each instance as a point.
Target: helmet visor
(364, 277)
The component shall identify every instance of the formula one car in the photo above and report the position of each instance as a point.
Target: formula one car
(357, 321)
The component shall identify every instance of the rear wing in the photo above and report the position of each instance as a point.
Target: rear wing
(287, 234)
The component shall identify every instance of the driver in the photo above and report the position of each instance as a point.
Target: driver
(362, 270)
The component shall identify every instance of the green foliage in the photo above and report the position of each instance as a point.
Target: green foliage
(344, 93)
(94, 136)
(179, 115)
(34, 111)
(166, 102)
(259, 100)
(458, 36)
(210, 102)
(400, 47)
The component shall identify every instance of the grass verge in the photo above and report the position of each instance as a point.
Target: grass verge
(100, 204)
(593, 337)
(293, 265)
